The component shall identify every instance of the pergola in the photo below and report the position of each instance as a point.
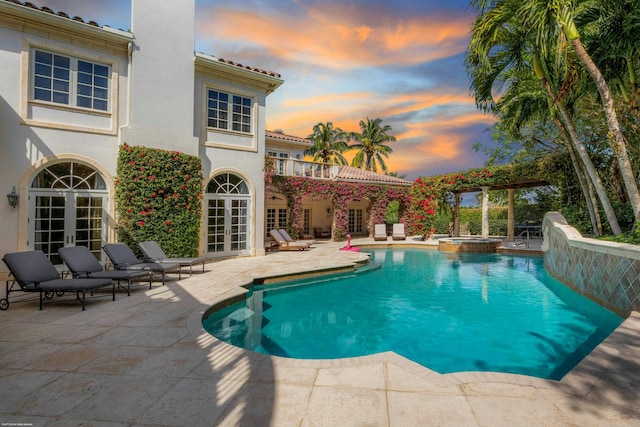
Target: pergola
(510, 187)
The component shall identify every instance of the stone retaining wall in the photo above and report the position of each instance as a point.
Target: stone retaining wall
(604, 271)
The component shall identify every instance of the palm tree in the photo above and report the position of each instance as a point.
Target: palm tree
(329, 143)
(371, 145)
(500, 44)
(545, 16)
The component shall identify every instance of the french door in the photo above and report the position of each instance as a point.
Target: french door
(228, 216)
(67, 219)
(67, 207)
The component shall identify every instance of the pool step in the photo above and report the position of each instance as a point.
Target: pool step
(368, 267)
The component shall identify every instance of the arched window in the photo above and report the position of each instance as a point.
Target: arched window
(227, 183)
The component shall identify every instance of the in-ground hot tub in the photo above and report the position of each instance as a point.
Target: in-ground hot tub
(469, 244)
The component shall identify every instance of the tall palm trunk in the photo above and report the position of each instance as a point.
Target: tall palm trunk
(588, 164)
(581, 150)
(617, 140)
(585, 184)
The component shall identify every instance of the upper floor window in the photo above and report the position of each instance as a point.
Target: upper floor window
(228, 112)
(70, 81)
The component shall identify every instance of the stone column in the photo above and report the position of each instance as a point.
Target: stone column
(456, 216)
(485, 212)
(510, 216)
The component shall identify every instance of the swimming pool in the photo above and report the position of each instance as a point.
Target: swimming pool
(447, 312)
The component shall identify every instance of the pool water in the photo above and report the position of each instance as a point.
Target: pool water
(447, 312)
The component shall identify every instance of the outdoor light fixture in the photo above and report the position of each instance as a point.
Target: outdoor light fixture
(13, 197)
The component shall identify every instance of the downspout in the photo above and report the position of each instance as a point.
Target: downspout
(129, 90)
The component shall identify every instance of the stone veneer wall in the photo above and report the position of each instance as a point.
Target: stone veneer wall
(604, 271)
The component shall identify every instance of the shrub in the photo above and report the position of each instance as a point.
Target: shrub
(158, 197)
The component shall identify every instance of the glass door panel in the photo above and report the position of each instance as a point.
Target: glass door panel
(239, 217)
(89, 224)
(215, 226)
(49, 226)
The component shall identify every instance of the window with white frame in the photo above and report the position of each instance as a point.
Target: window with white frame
(280, 160)
(66, 80)
(227, 111)
(276, 218)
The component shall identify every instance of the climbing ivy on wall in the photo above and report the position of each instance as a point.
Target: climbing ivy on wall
(159, 197)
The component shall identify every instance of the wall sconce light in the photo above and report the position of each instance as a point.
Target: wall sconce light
(13, 197)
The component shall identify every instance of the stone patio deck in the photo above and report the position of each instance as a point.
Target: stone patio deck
(145, 360)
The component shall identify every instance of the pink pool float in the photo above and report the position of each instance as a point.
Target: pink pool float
(349, 247)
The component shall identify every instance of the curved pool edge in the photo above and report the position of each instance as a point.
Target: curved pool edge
(579, 381)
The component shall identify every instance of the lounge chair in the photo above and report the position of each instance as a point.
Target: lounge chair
(380, 232)
(288, 238)
(124, 259)
(154, 253)
(283, 245)
(34, 272)
(83, 264)
(398, 232)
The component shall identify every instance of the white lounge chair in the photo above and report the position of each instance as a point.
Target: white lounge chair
(288, 238)
(283, 245)
(380, 232)
(398, 232)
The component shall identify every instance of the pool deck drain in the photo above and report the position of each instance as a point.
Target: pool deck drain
(145, 360)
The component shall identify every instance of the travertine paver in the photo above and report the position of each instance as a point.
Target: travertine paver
(145, 360)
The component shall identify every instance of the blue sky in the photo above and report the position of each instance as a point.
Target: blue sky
(401, 61)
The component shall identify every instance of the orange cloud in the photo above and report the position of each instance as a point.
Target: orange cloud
(336, 38)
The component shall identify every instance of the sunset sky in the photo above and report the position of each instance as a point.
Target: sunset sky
(344, 61)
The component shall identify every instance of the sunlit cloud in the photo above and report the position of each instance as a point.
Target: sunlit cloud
(335, 37)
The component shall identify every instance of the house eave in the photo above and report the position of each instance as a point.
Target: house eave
(206, 64)
(37, 21)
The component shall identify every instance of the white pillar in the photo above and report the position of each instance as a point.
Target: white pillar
(510, 216)
(485, 212)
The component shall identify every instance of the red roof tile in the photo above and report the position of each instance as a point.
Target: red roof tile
(283, 137)
(50, 11)
(349, 173)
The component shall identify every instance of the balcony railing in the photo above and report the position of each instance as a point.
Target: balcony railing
(294, 167)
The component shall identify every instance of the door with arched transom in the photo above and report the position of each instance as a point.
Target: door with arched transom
(227, 202)
(67, 207)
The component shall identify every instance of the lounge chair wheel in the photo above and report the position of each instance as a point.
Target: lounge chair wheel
(4, 304)
(49, 294)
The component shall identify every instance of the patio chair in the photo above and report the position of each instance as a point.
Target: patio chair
(283, 245)
(124, 259)
(153, 252)
(379, 232)
(398, 232)
(34, 272)
(83, 264)
(288, 238)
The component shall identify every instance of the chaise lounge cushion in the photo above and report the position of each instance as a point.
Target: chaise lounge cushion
(82, 263)
(34, 272)
(154, 252)
(124, 259)
(380, 232)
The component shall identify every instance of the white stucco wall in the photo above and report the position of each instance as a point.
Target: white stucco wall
(32, 133)
(162, 107)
